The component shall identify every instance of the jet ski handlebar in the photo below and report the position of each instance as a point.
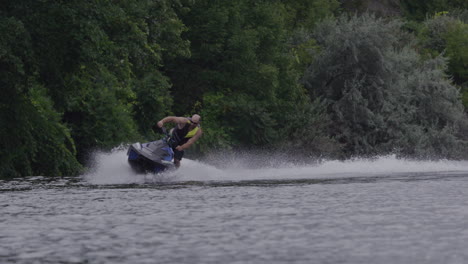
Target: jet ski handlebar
(160, 130)
(164, 131)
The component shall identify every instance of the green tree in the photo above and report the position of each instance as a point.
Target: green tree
(420, 9)
(382, 97)
(448, 34)
(243, 70)
(92, 72)
(306, 13)
(32, 139)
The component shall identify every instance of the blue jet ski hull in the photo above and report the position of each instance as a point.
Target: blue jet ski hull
(151, 157)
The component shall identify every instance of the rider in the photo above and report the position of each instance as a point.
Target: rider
(184, 134)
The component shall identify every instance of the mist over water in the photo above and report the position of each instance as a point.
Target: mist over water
(112, 168)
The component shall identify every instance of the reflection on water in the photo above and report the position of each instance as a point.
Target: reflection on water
(380, 211)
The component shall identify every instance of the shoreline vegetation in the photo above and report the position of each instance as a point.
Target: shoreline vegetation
(317, 78)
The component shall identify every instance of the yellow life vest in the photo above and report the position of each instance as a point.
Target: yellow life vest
(192, 132)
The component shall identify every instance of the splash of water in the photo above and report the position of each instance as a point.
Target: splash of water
(112, 168)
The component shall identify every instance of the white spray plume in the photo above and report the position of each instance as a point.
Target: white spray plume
(112, 168)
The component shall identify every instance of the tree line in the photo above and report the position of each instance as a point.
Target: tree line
(322, 78)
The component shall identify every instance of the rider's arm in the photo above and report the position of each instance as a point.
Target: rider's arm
(172, 119)
(192, 140)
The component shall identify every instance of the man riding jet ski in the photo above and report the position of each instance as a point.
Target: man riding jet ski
(183, 135)
(156, 156)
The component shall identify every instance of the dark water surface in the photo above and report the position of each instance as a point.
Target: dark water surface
(381, 211)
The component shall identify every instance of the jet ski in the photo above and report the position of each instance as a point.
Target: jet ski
(151, 157)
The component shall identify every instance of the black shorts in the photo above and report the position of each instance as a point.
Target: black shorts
(178, 154)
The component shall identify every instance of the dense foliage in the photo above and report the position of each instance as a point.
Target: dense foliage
(299, 75)
(422, 9)
(80, 75)
(382, 96)
(243, 71)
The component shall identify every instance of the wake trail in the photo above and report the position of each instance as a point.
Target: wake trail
(112, 168)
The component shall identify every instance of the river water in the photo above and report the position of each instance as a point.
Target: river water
(362, 211)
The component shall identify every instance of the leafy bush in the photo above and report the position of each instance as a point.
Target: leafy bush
(244, 73)
(75, 75)
(32, 139)
(382, 97)
(449, 35)
(420, 9)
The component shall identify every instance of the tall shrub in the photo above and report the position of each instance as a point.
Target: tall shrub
(380, 92)
(32, 139)
(242, 70)
(80, 75)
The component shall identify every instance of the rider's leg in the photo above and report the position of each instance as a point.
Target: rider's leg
(177, 163)
(178, 157)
